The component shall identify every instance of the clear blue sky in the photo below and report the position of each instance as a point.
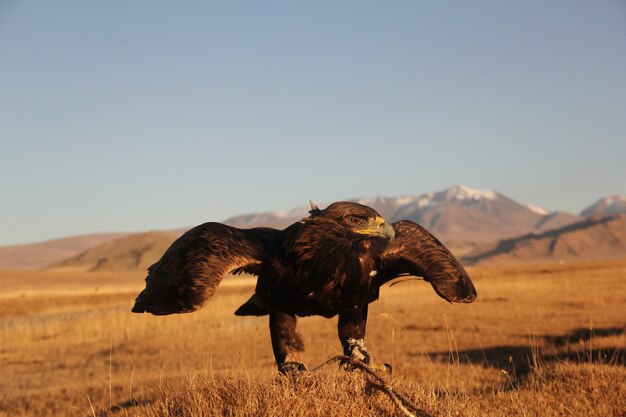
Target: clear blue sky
(136, 115)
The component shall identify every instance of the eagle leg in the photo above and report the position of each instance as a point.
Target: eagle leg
(286, 342)
(351, 331)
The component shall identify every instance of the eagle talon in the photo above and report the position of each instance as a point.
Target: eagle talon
(357, 351)
(292, 368)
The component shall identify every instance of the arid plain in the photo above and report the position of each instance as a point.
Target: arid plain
(541, 340)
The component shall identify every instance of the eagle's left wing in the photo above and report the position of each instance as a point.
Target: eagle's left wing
(415, 251)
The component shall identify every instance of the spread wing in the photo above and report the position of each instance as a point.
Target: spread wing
(189, 272)
(415, 251)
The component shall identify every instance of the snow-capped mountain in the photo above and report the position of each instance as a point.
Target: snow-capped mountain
(456, 195)
(464, 214)
(612, 204)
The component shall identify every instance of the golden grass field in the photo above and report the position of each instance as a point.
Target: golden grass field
(541, 340)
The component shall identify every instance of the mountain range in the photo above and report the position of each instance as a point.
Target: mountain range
(457, 215)
(470, 221)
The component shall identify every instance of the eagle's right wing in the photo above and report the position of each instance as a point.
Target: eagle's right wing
(189, 272)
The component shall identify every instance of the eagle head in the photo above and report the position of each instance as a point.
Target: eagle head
(360, 220)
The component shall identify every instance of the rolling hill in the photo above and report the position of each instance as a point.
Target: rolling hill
(596, 237)
(133, 252)
(39, 255)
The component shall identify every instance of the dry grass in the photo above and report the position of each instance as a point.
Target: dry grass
(541, 340)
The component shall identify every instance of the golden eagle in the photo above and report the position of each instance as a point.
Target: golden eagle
(330, 263)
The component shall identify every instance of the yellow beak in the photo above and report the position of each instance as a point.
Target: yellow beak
(378, 227)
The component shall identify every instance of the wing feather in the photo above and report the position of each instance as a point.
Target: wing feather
(415, 251)
(189, 272)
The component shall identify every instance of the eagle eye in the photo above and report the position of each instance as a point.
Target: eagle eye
(355, 220)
